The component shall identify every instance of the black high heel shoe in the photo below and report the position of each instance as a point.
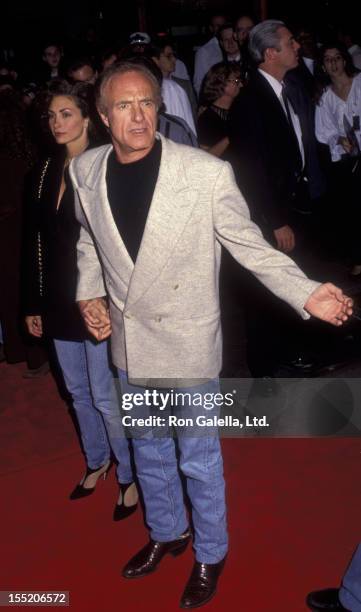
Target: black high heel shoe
(121, 511)
(81, 491)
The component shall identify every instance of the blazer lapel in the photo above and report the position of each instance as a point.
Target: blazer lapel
(170, 209)
(94, 199)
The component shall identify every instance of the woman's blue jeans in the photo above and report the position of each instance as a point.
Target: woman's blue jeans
(200, 461)
(89, 379)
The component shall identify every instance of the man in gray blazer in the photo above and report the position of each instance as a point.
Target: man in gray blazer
(154, 215)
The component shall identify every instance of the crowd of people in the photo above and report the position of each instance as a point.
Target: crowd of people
(118, 232)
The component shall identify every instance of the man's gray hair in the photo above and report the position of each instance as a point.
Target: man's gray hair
(118, 69)
(264, 36)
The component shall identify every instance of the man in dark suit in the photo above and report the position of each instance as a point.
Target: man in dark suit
(273, 148)
(307, 69)
(266, 136)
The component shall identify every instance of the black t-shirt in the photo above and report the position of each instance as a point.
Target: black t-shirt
(130, 191)
(211, 127)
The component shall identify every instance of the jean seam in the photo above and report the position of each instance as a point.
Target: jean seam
(104, 433)
(67, 348)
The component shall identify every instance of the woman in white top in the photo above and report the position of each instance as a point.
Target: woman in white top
(338, 126)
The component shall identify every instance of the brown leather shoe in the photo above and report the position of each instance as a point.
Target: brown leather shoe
(148, 558)
(202, 584)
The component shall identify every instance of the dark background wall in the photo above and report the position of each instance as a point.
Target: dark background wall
(25, 24)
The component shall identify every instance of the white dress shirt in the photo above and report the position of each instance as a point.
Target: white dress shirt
(310, 63)
(181, 71)
(177, 103)
(355, 52)
(277, 87)
(329, 117)
(206, 56)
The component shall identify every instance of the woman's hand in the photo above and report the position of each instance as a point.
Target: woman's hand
(34, 325)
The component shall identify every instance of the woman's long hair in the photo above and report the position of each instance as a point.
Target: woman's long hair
(215, 81)
(83, 96)
(322, 77)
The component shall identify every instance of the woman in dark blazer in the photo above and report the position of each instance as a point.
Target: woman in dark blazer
(52, 234)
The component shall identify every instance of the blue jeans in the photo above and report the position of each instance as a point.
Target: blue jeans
(350, 591)
(90, 381)
(200, 461)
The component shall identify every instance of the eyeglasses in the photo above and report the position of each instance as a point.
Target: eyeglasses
(235, 81)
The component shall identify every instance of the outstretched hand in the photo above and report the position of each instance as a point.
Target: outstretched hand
(96, 317)
(330, 304)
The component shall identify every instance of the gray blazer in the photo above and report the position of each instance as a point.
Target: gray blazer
(165, 308)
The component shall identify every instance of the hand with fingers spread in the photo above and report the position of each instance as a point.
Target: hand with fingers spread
(330, 304)
(95, 313)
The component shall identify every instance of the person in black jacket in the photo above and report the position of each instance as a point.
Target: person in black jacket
(17, 156)
(52, 234)
(273, 152)
(268, 153)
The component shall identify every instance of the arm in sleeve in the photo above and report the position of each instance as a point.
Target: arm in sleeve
(32, 261)
(244, 240)
(200, 69)
(90, 275)
(250, 155)
(177, 103)
(327, 130)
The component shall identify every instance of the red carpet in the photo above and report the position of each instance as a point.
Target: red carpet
(294, 516)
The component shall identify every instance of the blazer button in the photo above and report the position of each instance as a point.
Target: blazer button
(158, 319)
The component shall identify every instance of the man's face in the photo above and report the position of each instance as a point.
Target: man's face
(243, 27)
(131, 115)
(109, 60)
(85, 74)
(216, 23)
(227, 41)
(287, 57)
(307, 43)
(166, 61)
(52, 56)
(66, 121)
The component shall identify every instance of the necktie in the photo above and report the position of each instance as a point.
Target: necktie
(292, 128)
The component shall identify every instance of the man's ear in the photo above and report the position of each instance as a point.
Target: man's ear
(104, 118)
(269, 54)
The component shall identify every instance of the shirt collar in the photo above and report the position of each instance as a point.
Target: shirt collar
(310, 63)
(235, 59)
(276, 85)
